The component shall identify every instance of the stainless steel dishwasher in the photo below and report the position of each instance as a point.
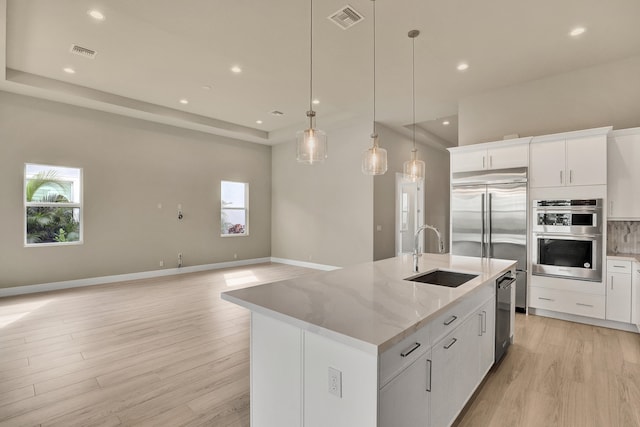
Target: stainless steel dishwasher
(503, 313)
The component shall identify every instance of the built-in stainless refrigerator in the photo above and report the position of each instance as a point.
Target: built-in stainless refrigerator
(489, 219)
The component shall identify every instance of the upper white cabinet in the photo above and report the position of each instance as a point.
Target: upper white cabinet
(492, 155)
(569, 159)
(623, 174)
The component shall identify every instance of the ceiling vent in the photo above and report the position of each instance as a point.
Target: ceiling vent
(83, 51)
(277, 113)
(346, 17)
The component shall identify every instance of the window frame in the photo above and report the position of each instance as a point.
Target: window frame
(245, 209)
(73, 205)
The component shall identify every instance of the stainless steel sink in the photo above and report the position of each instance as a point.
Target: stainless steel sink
(450, 279)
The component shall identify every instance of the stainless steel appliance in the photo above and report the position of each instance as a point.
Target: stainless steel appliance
(503, 314)
(567, 237)
(489, 219)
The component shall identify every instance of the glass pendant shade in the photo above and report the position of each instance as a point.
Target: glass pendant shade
(374, 159)
(311, 146)
(414, 169)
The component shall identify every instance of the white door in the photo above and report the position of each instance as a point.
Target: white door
(409, 213)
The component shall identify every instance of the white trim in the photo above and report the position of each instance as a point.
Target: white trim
(624, 132)
(297, 263)
(603, 131)
(54, 286)
(629, 327)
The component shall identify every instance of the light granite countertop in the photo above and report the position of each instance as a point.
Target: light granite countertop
(624, 257)
(368, 306)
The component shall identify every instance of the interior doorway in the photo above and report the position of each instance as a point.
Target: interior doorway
(409, 213)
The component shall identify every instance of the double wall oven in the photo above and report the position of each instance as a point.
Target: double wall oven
(567, 237)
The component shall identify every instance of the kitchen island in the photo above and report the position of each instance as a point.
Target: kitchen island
(361, 346)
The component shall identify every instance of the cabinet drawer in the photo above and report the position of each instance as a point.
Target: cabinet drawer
(454, 316)
(578, 303)
(618, 266)
(402, 354)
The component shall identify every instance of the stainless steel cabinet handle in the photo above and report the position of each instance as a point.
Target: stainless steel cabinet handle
(490, 161)
(429, 376)
(480, 331)
(545, 299)
(619, 266)
(584, 305)
(611, 282)
(450, 320)
(570, 176)
(561, 177)
(452, 342)
(483, 162)
(611, 207)
(484, 321)
(410, 350)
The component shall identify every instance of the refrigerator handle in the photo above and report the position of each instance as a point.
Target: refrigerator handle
(482, 219)
(489, 254)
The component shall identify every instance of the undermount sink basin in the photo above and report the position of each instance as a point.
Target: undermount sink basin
(450, 279)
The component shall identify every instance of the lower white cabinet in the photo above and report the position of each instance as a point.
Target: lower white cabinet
(459, 363)
(571, 302)
(619, 290)
(405, 400)
(635, 294)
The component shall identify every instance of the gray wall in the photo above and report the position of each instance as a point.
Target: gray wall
(324, 213)
(436, 197)
(129, 167)
(604, 95)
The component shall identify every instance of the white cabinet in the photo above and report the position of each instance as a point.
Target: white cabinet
(635, 294)
(619, 290)
(623, 174)
(405, 400)
(492, 155)
(460, 361)
(569, 159)
(486, 331)
(571, 302)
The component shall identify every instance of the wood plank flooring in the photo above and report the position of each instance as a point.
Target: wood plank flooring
(170, 352)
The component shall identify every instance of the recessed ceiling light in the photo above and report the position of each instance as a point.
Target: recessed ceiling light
(277, 113)
(316, 101)
(236, 69)
(184, 101)
(259, 122)
(577, 31)
(446, 123)
(206, 87)
(462, 66)
(96, 14)
(69, 70)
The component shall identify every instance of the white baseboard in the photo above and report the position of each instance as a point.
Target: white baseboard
(629, 327)
(297, 263)
(54, 286)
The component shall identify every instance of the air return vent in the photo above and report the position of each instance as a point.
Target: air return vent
(83, 51)
(346, 17)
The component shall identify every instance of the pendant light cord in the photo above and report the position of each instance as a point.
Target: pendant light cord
(311, 59)
(374, 68)
(413, 85)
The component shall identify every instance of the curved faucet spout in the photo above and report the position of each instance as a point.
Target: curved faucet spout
(416, 248)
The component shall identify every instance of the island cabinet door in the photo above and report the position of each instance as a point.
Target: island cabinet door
(404, 401)
(455, 371)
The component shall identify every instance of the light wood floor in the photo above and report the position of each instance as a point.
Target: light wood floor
(169, 352)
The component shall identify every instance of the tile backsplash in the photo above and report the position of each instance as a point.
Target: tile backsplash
(623, 237)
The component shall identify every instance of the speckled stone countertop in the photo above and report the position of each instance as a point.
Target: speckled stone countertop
(368, 306)
(624, 257)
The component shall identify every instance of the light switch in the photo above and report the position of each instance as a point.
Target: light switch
(378, 228)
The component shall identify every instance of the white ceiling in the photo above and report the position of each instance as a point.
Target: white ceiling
(151, 53)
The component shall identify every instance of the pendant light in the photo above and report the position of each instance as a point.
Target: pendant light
(311, 143)
(374, 159)
(414, 169)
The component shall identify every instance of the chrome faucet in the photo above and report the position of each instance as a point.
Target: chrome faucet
(416, 254)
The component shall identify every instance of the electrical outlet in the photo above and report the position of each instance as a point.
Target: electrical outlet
(180, 259)
(335, 382)
(161, 263)
(235, 256)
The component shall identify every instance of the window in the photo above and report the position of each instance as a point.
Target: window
(53, 206)
(234, 202)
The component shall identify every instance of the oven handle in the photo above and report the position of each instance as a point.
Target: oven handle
(568, 236)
